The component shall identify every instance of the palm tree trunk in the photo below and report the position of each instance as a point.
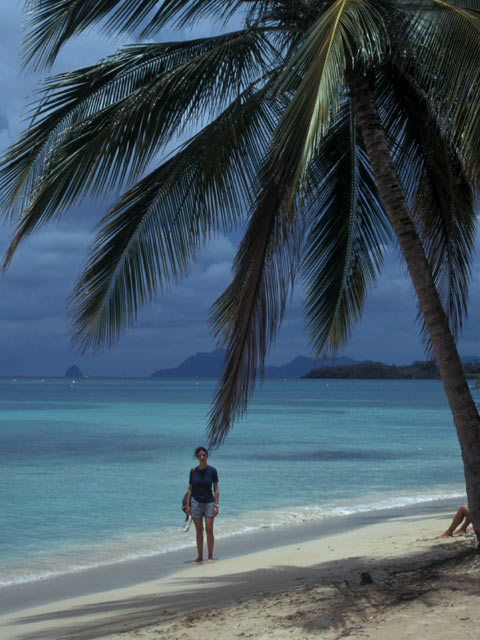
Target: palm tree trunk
(465, 414)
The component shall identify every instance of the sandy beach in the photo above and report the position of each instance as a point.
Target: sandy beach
(422, 586)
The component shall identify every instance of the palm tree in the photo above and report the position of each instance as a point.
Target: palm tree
(326, 124)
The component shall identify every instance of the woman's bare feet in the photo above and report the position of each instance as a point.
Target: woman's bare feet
(464, 531)
(197, 560)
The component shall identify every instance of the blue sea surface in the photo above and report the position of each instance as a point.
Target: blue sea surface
(93, 472)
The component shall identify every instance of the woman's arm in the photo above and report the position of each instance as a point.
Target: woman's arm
(189, 495)
(217, 496)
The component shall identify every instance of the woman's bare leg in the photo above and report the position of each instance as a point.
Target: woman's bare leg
(462, 512)
(210, 537)
(199, 534)
(463, 528)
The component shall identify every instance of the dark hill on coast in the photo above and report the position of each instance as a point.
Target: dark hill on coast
(300, 365)
(209, 365)
(73, 372)
(201, 365)
(378, 370)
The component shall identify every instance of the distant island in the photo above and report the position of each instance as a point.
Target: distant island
(418, 370)
(209, 365)
(73, 372)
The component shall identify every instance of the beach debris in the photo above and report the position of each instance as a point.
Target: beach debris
(370, 615)
(165, 612)
(365, 578)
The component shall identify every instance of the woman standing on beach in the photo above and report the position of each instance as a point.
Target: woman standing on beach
(202, 502)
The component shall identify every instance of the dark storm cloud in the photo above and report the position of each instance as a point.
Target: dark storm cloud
(33, 330)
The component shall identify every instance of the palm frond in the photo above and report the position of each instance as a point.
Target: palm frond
(151, 236)
(434, 182)
(247, 315)
(51, 23)
(348, 231)
(348, 32)
(444, 43)
(183, 13)
(101, 126)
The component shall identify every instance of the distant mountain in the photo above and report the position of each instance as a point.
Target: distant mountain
(73, 372)
(201, 365)
(209, 365)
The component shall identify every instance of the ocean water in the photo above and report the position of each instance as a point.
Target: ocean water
(93, 473)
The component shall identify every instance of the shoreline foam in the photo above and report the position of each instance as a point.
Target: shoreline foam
(134, 571)
(141, 546)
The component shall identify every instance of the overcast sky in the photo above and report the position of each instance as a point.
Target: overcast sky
(33, 333)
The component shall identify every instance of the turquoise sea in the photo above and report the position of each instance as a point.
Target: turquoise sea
(93, 471)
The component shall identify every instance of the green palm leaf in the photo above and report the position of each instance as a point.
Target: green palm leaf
(247, 315)
(347, 234)
(51, 23)
(316, 74)
(151, 236)
(137, 102)
(188, 12)
(434, 182)
(439, 32)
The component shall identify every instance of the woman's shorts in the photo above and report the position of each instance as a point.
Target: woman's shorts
(200, 509)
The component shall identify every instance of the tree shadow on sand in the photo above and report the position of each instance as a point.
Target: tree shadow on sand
(329, 594)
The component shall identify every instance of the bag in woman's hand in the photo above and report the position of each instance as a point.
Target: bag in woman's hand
(188, 519)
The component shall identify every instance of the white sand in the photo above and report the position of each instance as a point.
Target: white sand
(424, 587)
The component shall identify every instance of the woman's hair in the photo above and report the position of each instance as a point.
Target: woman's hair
(198, 449)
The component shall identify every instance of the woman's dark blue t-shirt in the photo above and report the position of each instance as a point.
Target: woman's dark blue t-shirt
(202, 483)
